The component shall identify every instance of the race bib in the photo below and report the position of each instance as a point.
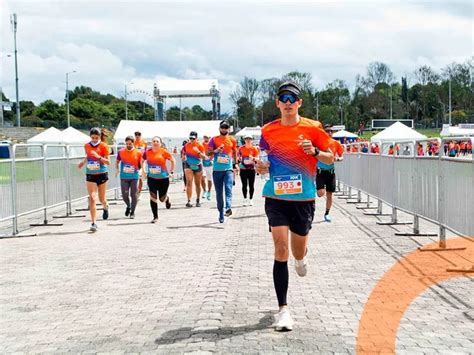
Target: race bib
(223, 159)
(93, 165)
(128, 169)
(154, 169)
(288, 184)
(248, 161)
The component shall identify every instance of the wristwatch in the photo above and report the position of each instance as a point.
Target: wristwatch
(316, 151)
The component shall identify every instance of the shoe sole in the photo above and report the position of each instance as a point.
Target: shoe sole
(284, 329)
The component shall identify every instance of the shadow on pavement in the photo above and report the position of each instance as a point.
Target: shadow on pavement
(180, 334)
(213, 225)
(127, 224)
(63, 233)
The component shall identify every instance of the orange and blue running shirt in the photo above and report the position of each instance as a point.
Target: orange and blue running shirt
(206, 162)
(247, 157)
(292, 171)
(192, 157)
(223, 161)
(94, 166)
(156, 163)
(130, 163)
(337, 150)
(140, 145)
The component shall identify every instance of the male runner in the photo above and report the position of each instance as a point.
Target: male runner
(224, 149)
(294, 144)
(140, 144)
(128, 163)
(326, 175)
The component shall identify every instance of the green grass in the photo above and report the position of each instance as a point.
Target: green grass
(30, 171)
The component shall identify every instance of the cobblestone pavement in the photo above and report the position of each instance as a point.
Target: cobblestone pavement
(190, 284)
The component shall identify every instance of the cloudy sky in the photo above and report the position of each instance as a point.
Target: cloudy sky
(112, 43)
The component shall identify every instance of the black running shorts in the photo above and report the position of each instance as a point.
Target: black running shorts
(195, 168)
(159, 187)
(326, 179)
(99, 179)
(297, 215)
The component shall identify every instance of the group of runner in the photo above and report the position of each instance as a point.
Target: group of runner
(298, 165)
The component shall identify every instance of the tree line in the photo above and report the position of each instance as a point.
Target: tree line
(421, 96)
(89, 108)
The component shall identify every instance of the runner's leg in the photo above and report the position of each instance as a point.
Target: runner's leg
(244, 179)
(189, 183)
(251, 176)
(92, 191)
(133, 193)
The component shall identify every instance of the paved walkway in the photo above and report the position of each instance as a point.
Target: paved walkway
(190, 284)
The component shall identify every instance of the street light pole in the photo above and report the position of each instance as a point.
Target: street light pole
(391, 102)
(67, 97)
(126, 106)
(14, 22)
(450, 101)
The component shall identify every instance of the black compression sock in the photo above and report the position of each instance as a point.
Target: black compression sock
(327, 211)
(280, 280)
(154, 208)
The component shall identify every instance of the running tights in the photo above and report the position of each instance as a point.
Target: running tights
(247, 176)
(280, 280)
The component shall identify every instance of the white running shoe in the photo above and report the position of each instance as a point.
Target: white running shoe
(301, 267)
(245, 202)
(251, 202)
(283, 321)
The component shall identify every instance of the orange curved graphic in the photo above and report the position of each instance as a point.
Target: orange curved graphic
(401, 285)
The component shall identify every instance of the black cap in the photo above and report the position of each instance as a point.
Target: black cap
(224, 124)
(193, 134)
(291, 87)
(328, 127)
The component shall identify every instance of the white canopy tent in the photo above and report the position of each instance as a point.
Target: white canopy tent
(50, 136)
(172, 132)
(53, 136)
(255, 132)
(76, 138)
(397, 132)
(344, 134)
(450, 131)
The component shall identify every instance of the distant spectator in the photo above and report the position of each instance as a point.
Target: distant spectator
(452, 149)
(419, 150)
(406, 151)
(374, 148)
(391, 151)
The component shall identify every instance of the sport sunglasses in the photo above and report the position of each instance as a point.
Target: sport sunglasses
(288, 97)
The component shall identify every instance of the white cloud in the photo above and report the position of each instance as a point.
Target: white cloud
(111, 43)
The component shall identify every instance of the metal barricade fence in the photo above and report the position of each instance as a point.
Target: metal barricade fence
(37, 178)
(436, 188)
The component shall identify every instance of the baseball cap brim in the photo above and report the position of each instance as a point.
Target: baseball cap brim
(289, 87)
